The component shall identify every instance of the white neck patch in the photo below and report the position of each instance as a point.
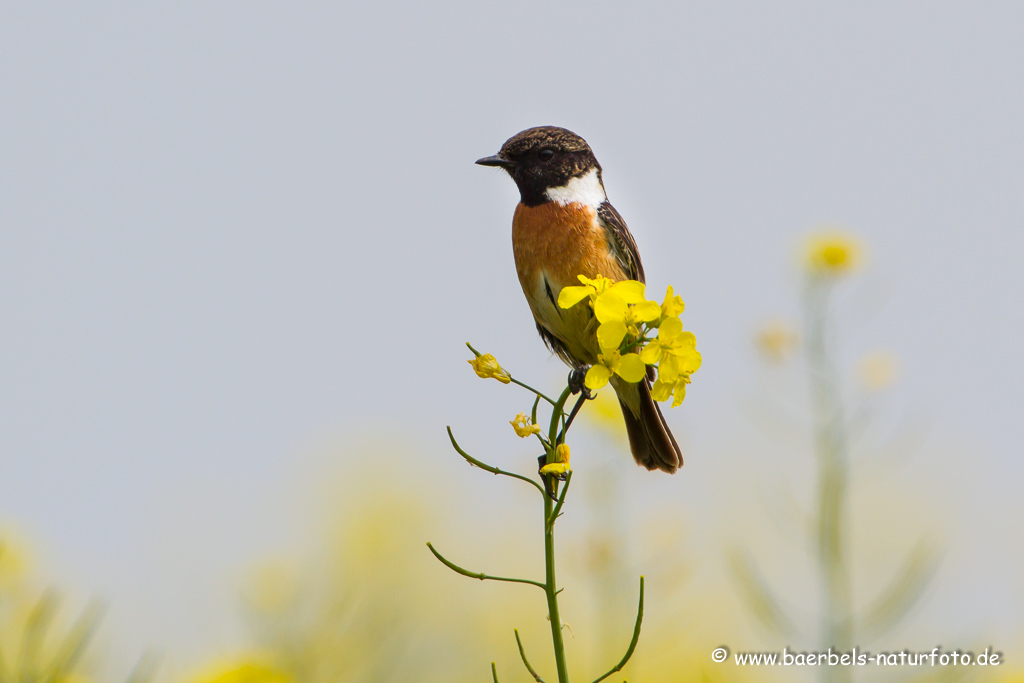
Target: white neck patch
(586, 190)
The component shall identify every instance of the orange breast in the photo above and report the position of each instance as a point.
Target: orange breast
(553, 244)
(562, 240)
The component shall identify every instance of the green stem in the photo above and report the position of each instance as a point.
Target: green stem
(831, 446)
(550, 586)
(529, 388)
(522, 654)
(556, 414)
(513, 379)
(480, 575)
(488, 468)
(561, 499)
(494, 672)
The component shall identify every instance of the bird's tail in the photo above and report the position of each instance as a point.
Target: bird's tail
(650, 439)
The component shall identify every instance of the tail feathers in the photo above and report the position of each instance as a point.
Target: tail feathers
(650, 439)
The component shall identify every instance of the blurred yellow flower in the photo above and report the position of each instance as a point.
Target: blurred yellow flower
(831, 253)
(524, 428)
(561, 464)
(776, 340)
(1015, 676)
(14, 560)
(629, 367)
(487, 366)
(604, 411)
(878, 370)
(245, 671)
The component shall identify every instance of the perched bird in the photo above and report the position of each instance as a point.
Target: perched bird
(564, 227)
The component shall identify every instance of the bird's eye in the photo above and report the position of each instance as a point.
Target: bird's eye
(546, 154)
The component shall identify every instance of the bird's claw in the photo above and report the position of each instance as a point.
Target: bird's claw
(576, 382)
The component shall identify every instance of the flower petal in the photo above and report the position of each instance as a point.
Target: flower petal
(661, 390)
(668, 369)
(570, 296)
(610, 306)
(556, 468)
(611, 334)
(631, 291)
(687, 359)
(597, 377)
(680, 393)
(669, 329)
(631, 368)
(651, 353)
(646, 311)
(673, 304)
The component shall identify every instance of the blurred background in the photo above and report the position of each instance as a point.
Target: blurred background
(242, 246)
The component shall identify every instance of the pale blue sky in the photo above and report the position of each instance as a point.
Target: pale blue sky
(231, 231)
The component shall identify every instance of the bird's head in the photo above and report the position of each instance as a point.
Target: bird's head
(546, 160)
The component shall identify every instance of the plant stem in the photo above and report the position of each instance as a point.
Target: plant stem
(551, 588)
(831, 446)
(557, 413)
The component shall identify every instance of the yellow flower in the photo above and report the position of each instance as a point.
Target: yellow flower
(254, 671)
(675, 352)
(630, 290)
(523, 427)
(776, 340)
(673, 304)
(662, 390)
(561, 464)
(629, 367)
(878, 370)
(831, 253)
(487, 366)
(14, 560)
(619, 317)
(672, 340)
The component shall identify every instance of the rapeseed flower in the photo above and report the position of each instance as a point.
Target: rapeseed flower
(672, 339)
(878, 370)
(627, 321)
(831, 253)
(630, 290)
(561, 464)
(776, 340)
(246, 671)
(487, 366)
(619, 317)
(627, 366)
(524, 428)
(663, 390)
(673, 304)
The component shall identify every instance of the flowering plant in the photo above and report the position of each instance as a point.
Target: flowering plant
(635, 334)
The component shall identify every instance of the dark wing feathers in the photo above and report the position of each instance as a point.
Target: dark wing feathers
(621, 242)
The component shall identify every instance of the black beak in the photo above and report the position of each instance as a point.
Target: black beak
(496, 160)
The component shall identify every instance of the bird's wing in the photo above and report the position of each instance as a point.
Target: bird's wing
(621, 241)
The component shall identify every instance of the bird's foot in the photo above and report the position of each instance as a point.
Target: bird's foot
(576, 382)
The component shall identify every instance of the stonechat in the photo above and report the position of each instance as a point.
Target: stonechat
(563, 227)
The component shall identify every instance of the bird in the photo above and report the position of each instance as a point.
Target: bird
(564, 226)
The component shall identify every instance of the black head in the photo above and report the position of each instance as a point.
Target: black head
(541, 158)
